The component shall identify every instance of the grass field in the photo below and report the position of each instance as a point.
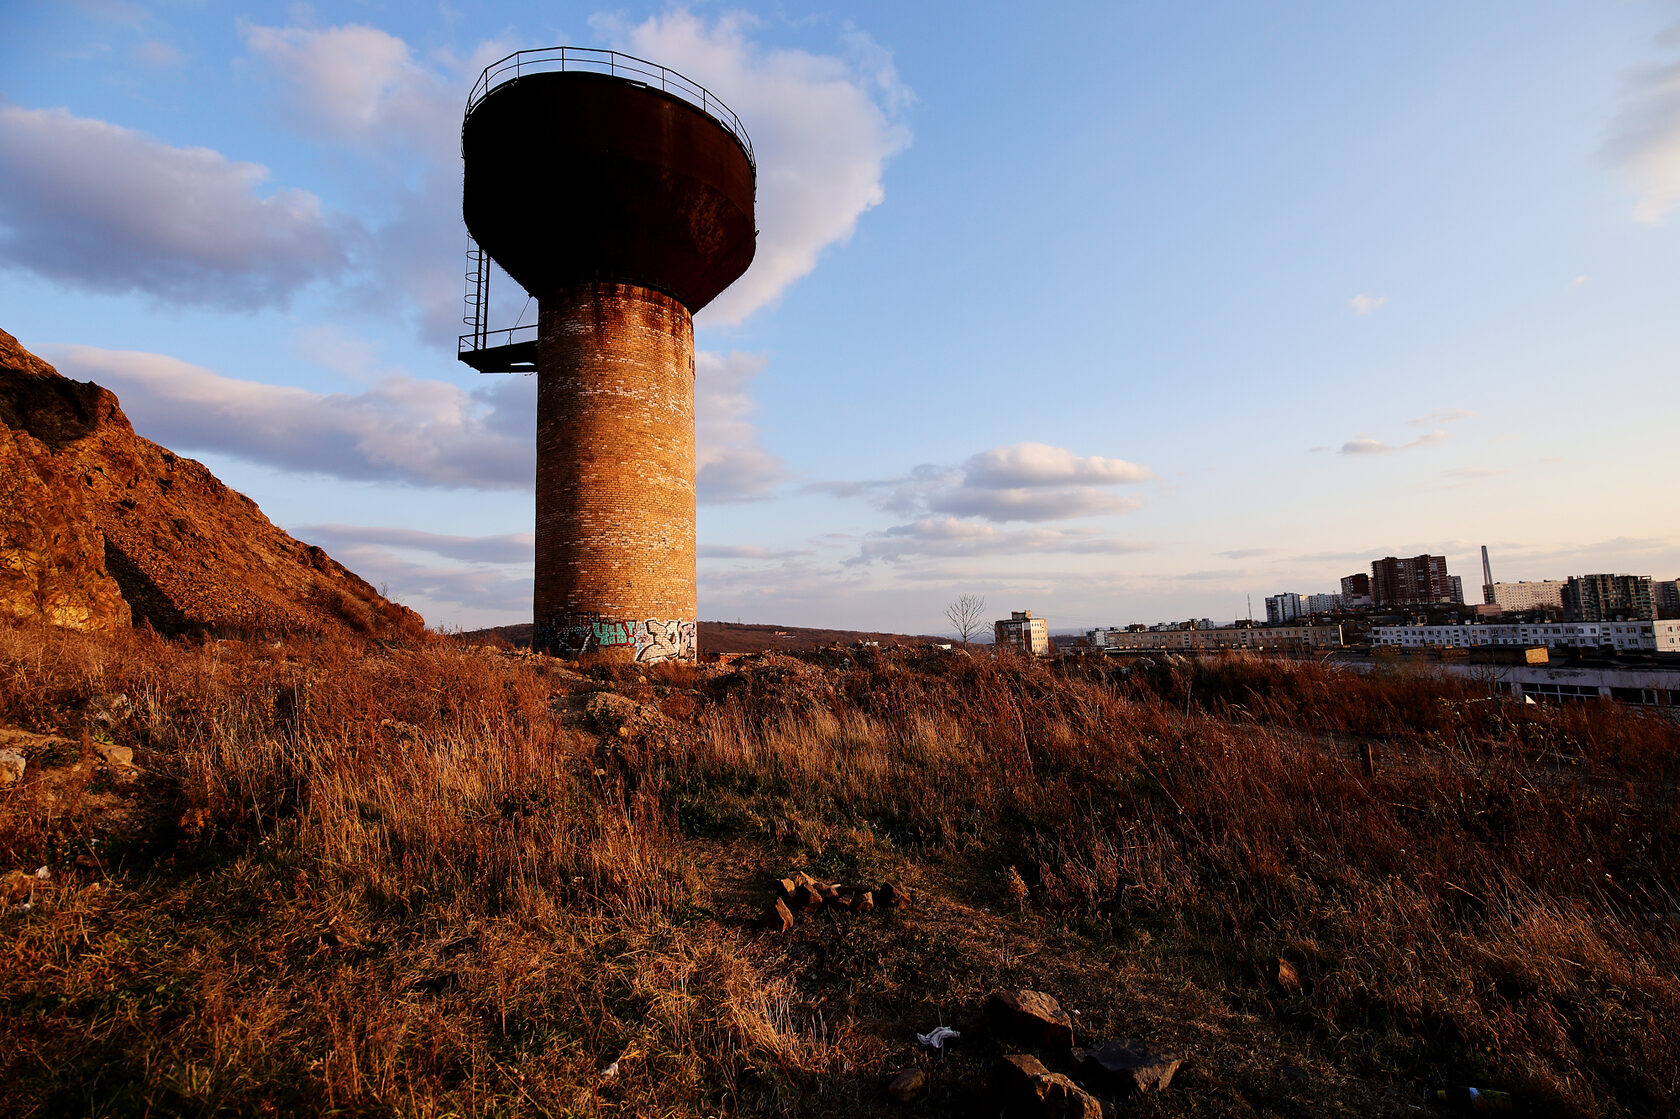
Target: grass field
(445, 880)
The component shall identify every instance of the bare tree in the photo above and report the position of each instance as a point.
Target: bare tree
(966, 613)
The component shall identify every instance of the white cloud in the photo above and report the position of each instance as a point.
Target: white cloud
(88, 203)
(360, 85)
(1030, 504)
(951, 537)
(731, 466)
(508, 548)
(1444, 416)
(1039, 464)
(748, 552)
(426, 433)
(1023, 482)
(1644, 140)
(156, 52)
(396, 120)
(1364, 304)
(1365, 445)
(819, 130)
(401, 428)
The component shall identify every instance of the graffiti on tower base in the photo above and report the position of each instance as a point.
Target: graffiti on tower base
(649, 640)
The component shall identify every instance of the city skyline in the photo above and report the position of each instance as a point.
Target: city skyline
(1124, 324)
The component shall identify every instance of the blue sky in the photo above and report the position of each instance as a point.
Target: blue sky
(1118, 312)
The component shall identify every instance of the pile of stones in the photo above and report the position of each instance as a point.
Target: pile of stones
(799, 893)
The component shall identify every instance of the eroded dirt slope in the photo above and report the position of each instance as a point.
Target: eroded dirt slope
(100, 527)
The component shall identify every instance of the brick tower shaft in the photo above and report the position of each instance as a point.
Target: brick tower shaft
(615, 567)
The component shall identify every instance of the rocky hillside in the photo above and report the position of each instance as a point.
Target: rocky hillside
(101, 529)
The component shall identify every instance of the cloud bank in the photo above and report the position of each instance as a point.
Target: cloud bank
(1023, 482)
(731, 466)
(822, 128)
(403, 429)
(93, 205)
(1365, 445)
(1644, 140)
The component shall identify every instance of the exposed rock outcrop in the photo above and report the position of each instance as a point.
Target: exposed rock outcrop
(100, 527)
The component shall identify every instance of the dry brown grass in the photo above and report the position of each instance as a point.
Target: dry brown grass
(434, 880)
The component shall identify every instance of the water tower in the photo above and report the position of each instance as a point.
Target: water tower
(619, 194)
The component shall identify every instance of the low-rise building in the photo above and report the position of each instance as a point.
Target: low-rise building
(1287, 638)
(1622, 637)
(1023, 633)
(1539, 594)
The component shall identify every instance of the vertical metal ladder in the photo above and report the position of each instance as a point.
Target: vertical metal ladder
(477, 298)
(510, 350)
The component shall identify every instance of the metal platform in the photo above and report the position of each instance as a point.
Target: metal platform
(510, 350)
(500, 351)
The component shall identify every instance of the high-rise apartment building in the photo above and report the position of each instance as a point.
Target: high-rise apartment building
(1356, 586)
(1284, 607)
(1665, 596)
(1608, 598)
(1413, 581)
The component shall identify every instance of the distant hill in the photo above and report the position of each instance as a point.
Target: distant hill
(101, 529)
(737, 637)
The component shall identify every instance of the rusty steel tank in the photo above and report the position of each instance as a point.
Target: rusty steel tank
(619, 194)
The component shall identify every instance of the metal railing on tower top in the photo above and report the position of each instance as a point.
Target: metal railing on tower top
(627, 66)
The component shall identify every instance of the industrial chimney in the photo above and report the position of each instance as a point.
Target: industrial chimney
(619, 194)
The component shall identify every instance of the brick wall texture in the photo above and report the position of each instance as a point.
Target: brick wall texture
(615, 569)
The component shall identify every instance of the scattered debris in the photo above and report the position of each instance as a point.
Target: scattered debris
(938, 1036)
(1474, 1099)
(1031, 1017)
(12, 766)
(907, 1085)
(1125, 1067)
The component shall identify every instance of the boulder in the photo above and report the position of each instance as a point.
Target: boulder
(12, 766)
(118, 757)
(1283, 973)
(1030, 1017)
(864, 902)
(17, 886)
(805, 897)
(907, 1085)
(1125, 1067)
(778, 918)
(1028, 1090)
(891, 896)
